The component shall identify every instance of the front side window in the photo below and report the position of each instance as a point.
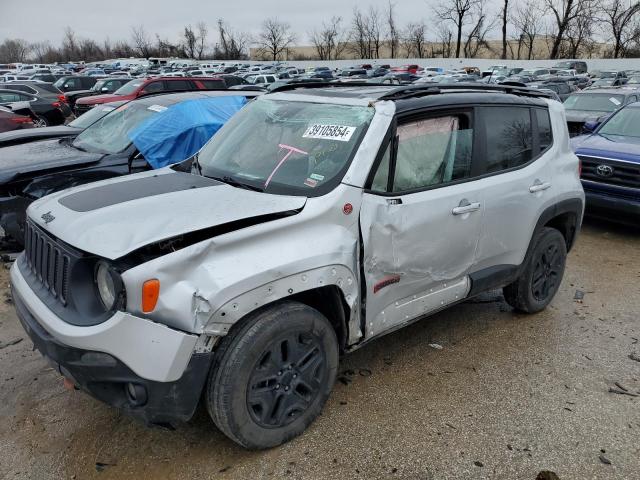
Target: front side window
(509, 137)
(284, 147)
(153, 87)
(432, 151)
(129, 88)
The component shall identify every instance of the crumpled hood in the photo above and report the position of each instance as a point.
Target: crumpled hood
(584, 115)
(615, 147)
(115, 217)
(40, 156)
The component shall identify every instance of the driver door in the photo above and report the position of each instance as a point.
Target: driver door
(421, 220)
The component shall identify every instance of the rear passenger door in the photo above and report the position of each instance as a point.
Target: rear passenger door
(517, 164)
(420, 219)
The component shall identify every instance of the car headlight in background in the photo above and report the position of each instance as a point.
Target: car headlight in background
(107, 288)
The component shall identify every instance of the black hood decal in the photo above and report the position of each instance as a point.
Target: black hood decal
(126, 191)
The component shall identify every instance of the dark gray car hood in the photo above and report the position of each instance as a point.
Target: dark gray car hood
(16, 137)
(585, 115)
(39, 156)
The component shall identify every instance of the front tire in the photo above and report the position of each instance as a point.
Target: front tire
(540, 280)
(272, 375)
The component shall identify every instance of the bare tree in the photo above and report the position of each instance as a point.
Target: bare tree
(190, 41)
(231, 45)
(14, 50)
(579, 32)
(619, 22)
(393, 34)
(275, 38)
(445, 38)
(415, 40)
(505, 21)
(141, 41)
(69, 44)
(329, 40)
(359, 35)
(527, 21)
(565, 15)
(476, 37)
(203, 31)
(457, 12)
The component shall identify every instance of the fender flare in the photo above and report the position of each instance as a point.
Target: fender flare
(237, 308)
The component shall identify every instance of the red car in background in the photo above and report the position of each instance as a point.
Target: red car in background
(12, 121)
(140, 87)
(413, 69)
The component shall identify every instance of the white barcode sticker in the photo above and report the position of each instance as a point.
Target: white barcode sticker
(341, 133)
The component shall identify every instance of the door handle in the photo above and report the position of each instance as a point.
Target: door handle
(539, 186)
(468, 208)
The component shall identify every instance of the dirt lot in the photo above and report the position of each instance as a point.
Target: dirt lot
(507, 396)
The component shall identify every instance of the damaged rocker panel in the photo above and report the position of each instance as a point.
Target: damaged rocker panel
(415, 306)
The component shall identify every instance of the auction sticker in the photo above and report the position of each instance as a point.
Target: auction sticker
(341, 133)
(157, 108)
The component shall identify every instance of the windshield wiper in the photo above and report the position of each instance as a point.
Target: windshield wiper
(235, 183)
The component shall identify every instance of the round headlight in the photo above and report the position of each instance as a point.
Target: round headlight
(106, 285)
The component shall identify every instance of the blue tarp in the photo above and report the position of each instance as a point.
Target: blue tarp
(180, 131)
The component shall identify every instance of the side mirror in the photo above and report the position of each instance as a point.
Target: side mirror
(104, 90)
(66, 86)
(142, 92)
(590, 127)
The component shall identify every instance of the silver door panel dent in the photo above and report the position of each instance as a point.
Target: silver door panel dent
(199, 282)
(407, 309)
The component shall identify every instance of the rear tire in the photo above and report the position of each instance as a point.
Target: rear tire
(540, 280)
(271, 376)
(40, 122)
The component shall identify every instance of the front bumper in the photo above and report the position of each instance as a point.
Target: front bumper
(610, 207)
(104, 359)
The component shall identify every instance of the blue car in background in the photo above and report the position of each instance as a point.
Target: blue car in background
(610, 158)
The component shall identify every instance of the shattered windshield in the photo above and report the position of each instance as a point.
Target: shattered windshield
(283, 147)
(111, 133)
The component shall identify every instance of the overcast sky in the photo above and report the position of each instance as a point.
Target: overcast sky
(37, 20)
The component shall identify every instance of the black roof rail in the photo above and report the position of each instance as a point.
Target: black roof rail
(412, 91)
(296, 85)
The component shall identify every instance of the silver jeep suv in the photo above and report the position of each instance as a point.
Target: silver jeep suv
(316, 220)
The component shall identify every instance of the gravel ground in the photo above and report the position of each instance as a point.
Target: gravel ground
(508, 396)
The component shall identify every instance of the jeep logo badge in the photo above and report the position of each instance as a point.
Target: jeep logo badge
(604, 170)
(48, 218)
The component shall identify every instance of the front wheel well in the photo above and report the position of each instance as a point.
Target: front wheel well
(330, 302)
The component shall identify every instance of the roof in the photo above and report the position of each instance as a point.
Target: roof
(165, 99)
(410, 97)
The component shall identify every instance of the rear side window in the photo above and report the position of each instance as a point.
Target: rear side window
(432, 151)
(545, 134)
(509, 137)
(213, 84)
(178, 85)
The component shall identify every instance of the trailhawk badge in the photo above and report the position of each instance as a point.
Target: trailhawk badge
(48, 218)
